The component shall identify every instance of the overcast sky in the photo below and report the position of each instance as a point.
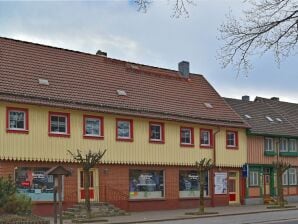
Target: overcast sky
(153, 38)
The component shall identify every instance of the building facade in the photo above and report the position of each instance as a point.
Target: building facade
(154, 123)
(272, 137)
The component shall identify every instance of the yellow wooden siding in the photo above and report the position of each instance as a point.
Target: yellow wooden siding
(37, 145)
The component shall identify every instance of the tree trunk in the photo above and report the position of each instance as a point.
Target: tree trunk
(86, 189)
(202, 186)
(280, 188)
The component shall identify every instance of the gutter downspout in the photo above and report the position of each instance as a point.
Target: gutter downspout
(214, 162)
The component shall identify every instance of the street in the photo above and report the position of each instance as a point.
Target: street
(279, 217)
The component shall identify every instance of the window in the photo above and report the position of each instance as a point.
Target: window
(33, 182)
(186, 136)
(59, 124)
(285, 179)
(253, 178)
(93, 127)
(189, 184)
(124, 130)
(206, 138)
(269, 145)
(292, 145)
(292, 176)
(232, 139)
(283, 145)
(17, 120)
(146, 184)
(156, 132)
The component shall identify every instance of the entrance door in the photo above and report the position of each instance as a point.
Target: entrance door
(267, 185)
(93, 189)
(233, 187)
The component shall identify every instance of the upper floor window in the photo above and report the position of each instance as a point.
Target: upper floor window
(232, 139)
(59, 124)
(156, 132)
(124, 129)
(206, 138)
(269, 145)
(186, 136)
(292, 145)
(17, 120)
(93, 126)
(283, 145)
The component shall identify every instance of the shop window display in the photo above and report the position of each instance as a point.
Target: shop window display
(146, 184)
(189, 184)
(34, 182)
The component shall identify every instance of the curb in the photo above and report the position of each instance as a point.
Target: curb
(204, 216)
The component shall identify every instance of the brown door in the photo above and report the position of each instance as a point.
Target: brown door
(266, 185)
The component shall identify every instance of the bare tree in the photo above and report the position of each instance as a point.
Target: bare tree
(268, 25)
(203, 166)
(280, 168)
(180, 7)
(87, 161)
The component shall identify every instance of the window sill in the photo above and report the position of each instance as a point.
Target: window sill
(59, 135)
(270, 153)
(291, 154)
(146, 199)
(193, 198)
(17, 131)
(206, 146)
(232, 147)
(124, 139)
(156, 141)
(187, 145)
(93, 137)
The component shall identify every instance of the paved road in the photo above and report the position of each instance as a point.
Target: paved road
(279, 217)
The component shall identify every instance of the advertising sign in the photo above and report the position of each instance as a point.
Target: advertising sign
(220, 183)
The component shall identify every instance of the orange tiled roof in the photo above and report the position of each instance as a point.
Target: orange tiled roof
(90, 82)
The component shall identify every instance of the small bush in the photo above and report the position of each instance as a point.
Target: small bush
(7, 189)
(18, 204)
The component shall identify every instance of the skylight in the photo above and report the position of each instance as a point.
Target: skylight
(121, 92)
(208, 105)
(269, 118)
(278, 119)
(43, 82)
(247, 116)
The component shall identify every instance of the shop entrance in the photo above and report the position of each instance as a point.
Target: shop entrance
(233, 187)
(93, 190)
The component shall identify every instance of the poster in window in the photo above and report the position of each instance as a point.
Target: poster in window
(34, 182)
(220, 183)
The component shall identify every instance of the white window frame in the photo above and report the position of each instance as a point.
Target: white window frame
(24, 117)
(253, 178)
(285, 178)
(283, 147)
(234, 139)
(190, 136)
(160, 132)
(99, 126)
(292, 145)
(129, 129)
(292, 176)
(209, 137)
(66, 124)
(267, 143)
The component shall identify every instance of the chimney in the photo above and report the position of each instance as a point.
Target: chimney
(183, 68)
(101, 53)
(245, 98)
(274, 98)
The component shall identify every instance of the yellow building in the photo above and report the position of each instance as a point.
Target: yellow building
(155, 124)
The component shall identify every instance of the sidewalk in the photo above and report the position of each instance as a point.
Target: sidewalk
(167, 215)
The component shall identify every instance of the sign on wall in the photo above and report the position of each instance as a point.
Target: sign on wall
(220, 183)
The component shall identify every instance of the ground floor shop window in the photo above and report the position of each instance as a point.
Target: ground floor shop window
(253, 178)
(189, 184)
(35, 183)
(289, 177)
(146, 184)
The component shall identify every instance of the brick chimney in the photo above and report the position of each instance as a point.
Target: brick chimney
(183, 68)
(274, 98)
(245, 98)
(101, 53)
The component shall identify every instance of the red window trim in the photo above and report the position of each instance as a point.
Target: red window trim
(20, 131)
(236, 140)
(131, 130)
(162, 126)
(192, 144)
(53, 134)
(85, 116)
(211, 138)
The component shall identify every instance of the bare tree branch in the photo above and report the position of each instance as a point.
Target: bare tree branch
(269, 25)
